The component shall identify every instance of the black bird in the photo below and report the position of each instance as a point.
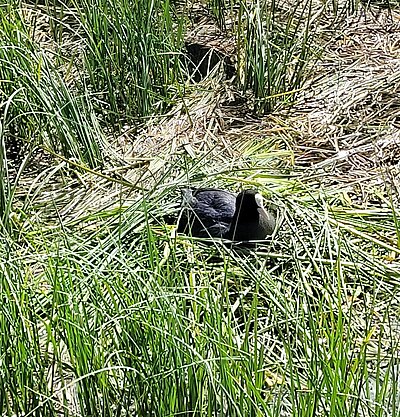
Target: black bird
(210, 212)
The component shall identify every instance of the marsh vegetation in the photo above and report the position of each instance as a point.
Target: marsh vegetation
(107, 109)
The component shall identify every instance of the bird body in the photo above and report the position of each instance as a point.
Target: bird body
(208, 213)
(211, 212)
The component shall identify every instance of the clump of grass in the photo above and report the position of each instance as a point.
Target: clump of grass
(274, 50)
(132, 56)
(39, 106)
(218, 9)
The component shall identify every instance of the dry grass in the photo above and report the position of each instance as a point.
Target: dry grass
(343, 130)
(347, 121)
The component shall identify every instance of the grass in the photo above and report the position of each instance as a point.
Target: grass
(38, 105)
(132, 56)
(275, 51)
(106, 311)
(120, 315)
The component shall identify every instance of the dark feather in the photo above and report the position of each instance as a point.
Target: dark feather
(210, 212)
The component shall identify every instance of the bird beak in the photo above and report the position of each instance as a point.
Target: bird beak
(259, 200)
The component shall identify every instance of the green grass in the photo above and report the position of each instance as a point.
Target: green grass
(38, 106)
(275, 51)
(132, 58)
(105, 311)
(128, 317)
